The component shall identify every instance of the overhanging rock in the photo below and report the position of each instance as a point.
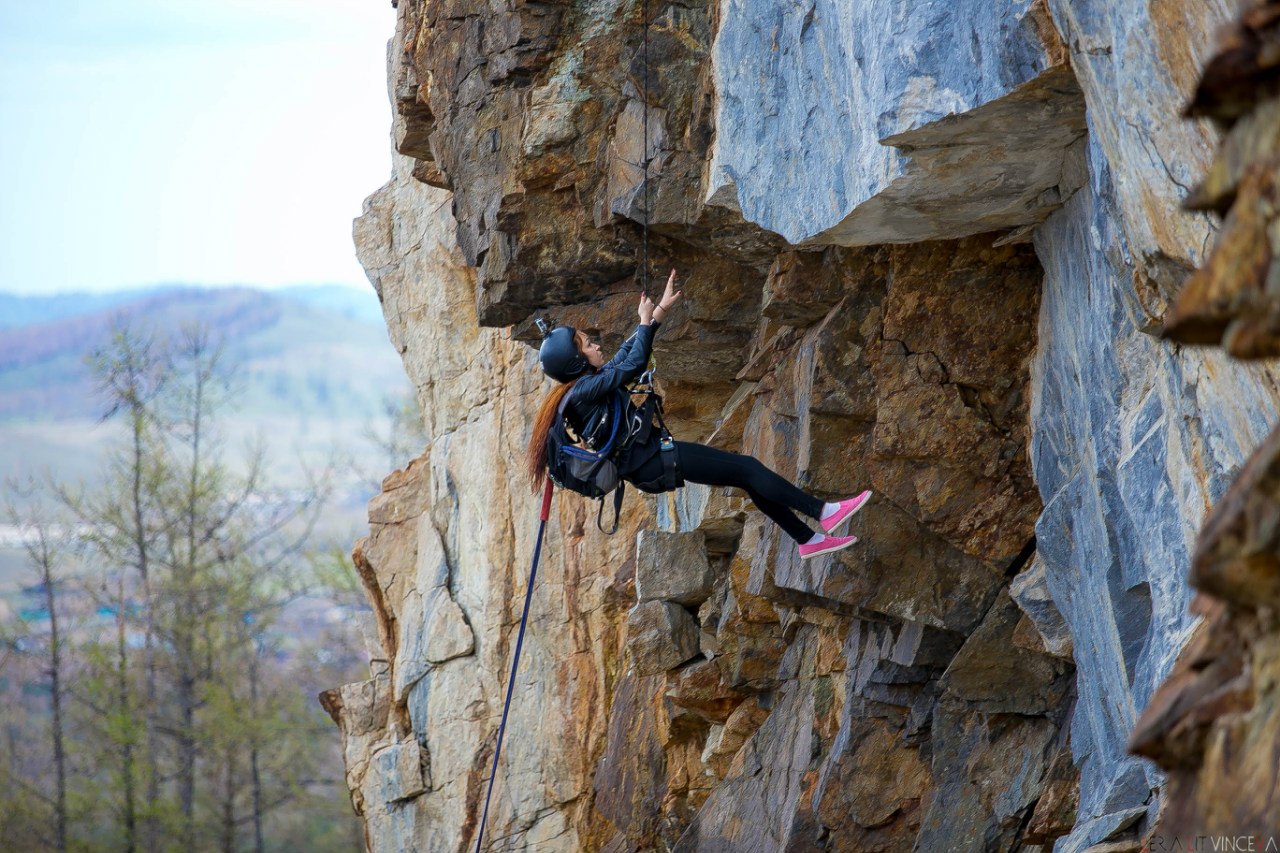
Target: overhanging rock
(975, 98)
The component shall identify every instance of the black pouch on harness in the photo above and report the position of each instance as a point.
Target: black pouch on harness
(671, 477)
(590, 473)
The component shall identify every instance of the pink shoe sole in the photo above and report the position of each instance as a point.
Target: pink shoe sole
(827, 546)
(845, 512)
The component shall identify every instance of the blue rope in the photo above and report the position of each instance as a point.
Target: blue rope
(515, 663)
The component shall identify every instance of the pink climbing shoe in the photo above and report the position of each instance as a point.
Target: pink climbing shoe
(846, 510)
(827, 546)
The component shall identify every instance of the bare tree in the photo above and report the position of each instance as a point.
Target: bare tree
(255, 747)
(46, 546)
(130, 374)
(227, 545)
(192, 732)
(124, 698)
(199, 364)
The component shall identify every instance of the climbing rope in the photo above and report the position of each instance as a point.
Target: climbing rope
(644, 153)
(515, 660)
(647, 377)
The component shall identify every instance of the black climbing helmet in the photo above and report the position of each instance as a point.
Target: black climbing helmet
(559, 355)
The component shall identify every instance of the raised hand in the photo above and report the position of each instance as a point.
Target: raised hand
(670, 296)
(646, 309)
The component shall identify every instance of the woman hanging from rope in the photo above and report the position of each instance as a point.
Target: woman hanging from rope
(569, 357)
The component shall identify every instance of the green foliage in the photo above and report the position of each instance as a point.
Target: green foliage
(194, 637)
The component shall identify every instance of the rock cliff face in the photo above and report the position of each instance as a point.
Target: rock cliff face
(926, 248)
(1213, 723)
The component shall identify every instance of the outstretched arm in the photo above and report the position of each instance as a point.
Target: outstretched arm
(622, 369)
(650, 313)
(670, 297)
(633, 355)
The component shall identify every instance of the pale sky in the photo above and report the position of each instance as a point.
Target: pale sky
(211, 142)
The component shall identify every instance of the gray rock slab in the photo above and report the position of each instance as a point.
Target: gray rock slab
(989, 770)
(435, 628)
(715, 512)
(673, 567)
(661, 635)
(1132, 439)
(1030, 591)
(1137, 62)
(1089, 833)
(956, 85)
(993, 675)
(402, 771)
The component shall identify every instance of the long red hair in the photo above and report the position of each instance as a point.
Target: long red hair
(535, 458)
(536, 453)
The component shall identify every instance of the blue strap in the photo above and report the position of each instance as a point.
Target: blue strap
(592, 455)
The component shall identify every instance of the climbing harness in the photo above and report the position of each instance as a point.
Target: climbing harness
(515, 660)
(641, 426)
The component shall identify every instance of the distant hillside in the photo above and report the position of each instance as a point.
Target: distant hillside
(16, 310)
(354, 304)
(302, 352)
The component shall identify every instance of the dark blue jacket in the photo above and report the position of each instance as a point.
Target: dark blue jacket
(592, 395)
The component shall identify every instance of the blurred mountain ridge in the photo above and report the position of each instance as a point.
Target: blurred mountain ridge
(303, 351)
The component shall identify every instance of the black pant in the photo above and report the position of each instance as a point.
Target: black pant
(771, 493)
